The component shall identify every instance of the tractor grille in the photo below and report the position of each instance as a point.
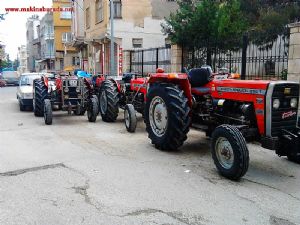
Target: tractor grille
(285, 117)
(72, 85)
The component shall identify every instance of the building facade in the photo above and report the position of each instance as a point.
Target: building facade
(78, 33)
(22, 57)
(137, 25)
(33, 43)
(47, 60)
(65, 54)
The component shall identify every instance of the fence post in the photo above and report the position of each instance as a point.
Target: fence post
(244, 56)
(176, 58)
(142, 62)
(157, 57)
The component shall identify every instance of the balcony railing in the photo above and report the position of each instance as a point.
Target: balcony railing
(48, 36)
(48, 55)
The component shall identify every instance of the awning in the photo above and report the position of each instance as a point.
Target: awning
(69, 68)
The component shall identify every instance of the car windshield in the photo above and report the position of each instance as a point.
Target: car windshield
(28, 79)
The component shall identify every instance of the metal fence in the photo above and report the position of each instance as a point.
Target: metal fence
(148, 60)
(251, 61)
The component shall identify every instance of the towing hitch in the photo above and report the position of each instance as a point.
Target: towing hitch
(290, 143)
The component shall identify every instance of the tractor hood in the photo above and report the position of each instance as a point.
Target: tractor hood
(242, 84)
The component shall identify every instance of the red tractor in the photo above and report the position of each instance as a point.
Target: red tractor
(230, 111)
(127, 92)
(67, 93)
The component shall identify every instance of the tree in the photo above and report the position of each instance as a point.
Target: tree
(207, 24)
(221, 24)
(267, 19)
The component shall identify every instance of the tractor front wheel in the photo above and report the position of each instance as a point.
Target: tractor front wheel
(167, 116)
(130, 118)
(109, 101)
(230, 152)
(293, 158)
(93, 109)
(39, 95)
(47, 112)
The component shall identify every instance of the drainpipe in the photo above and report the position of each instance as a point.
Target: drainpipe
(112, 39)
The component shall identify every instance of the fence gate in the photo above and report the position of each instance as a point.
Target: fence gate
(148, 60)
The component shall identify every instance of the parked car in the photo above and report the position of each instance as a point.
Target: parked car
(25, 89)
(11, 77)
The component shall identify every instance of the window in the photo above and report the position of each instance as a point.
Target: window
(87, 18)
(137, 43)
(61, 64)
(75, 61)
(66, 14)
(66, 37)
(117, 9)
(99, 11)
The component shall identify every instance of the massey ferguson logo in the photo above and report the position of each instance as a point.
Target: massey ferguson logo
(288, 114)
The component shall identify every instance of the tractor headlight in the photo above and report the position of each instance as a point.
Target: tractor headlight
(276, 103)
(77, 89)
(66, 90)
(294, 103)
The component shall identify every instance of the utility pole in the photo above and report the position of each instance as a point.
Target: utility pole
(112, 39)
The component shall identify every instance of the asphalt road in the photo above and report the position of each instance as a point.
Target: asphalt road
(76, 172)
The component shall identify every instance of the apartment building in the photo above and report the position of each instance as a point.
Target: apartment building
(32, 45)
(22, 57)
(66, 55)
(78, 33)
(137, 25)
(47, 61)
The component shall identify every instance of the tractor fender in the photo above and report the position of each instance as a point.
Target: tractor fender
(173, 78)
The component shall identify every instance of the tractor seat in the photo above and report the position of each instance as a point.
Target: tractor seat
(199, 76)
(200, 90)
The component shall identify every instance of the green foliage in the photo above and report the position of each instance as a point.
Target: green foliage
(269, 18)
(199, 24)
(222, 23)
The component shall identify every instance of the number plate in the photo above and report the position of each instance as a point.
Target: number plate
(73, 83)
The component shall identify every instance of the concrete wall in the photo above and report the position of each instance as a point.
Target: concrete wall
(150, 33)
(162, 8)
(78, 19)
(294, 53)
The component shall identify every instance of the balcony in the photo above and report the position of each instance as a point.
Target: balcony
(48, 55)
(49, 36)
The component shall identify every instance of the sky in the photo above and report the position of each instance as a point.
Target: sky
(13, 28)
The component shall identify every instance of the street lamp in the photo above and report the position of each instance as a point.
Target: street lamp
(112, 39)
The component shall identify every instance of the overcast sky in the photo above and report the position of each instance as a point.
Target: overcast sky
(13, 28)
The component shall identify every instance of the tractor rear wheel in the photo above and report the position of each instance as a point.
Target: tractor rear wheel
(230, 152)
(167, 116)
(39, 95)
(108, 101)
(93, 109)
(48, 112)
(130, 118)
